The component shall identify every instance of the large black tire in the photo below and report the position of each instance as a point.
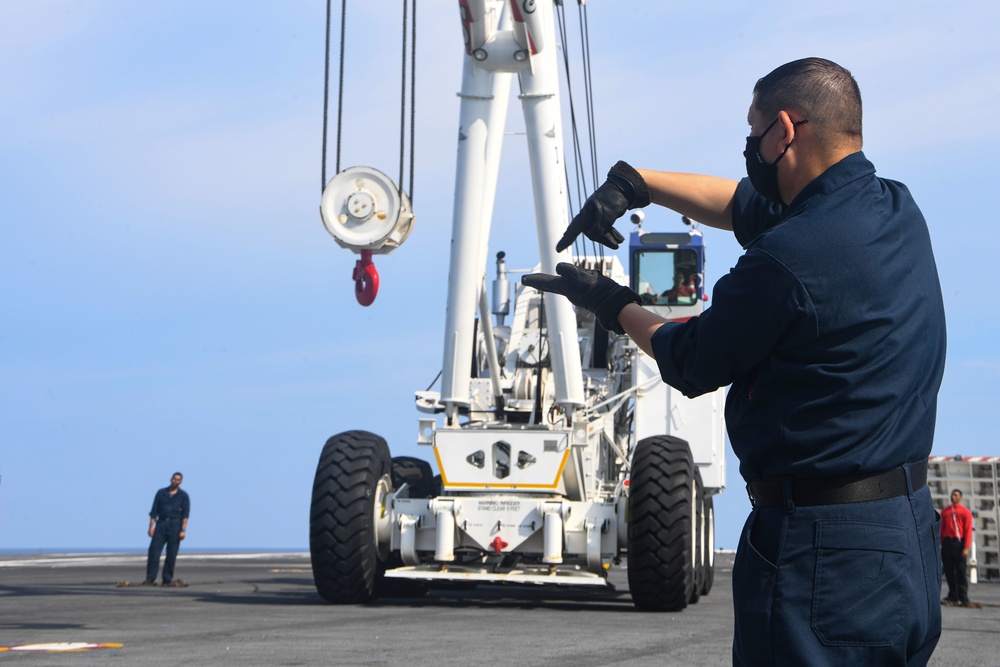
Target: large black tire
(660, 525)
(346, 519)
(416, 473)
(709, 579)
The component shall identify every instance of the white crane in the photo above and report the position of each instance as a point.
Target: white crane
(560, 451)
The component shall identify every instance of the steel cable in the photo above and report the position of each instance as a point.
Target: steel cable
(326, 96)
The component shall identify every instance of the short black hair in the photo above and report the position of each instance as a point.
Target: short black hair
(178, 475)
(820, 90)
(958, 491)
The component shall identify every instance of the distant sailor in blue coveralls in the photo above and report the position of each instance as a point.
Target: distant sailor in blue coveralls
(167, 526)
(830, 329)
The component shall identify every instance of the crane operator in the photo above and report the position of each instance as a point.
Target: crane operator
(830, 330)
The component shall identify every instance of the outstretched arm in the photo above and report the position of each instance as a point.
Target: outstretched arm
(640, 324)
(707, 199)
(616, 306)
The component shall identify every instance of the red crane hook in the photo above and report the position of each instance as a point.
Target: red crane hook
(365, 279)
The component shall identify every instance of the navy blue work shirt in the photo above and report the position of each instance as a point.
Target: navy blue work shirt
(165, 506)
(830, 329)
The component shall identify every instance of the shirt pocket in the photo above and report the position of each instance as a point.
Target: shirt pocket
(860, 589)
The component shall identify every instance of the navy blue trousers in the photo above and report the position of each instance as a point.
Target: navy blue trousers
(851, 584)
(166, 533)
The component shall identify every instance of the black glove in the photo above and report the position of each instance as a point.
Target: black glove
(587, 289)
(623, 190)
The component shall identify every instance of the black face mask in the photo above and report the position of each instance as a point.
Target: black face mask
(764, 176)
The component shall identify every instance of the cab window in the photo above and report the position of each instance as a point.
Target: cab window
(666, 277)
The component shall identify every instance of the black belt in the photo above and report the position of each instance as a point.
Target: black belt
(838, 490)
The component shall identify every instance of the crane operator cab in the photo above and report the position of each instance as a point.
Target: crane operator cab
(667, 270)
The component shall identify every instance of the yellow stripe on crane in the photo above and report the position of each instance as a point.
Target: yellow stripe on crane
(491, 485)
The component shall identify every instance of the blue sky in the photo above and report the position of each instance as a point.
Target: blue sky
(169, 299)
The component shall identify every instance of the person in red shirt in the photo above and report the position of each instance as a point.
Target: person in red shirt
(956, 538)
(681, 288)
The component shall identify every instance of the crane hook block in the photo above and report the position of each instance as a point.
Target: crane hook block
(364, 210)
(365, 279)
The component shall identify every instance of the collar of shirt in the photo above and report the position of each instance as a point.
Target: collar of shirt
(850, 169)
